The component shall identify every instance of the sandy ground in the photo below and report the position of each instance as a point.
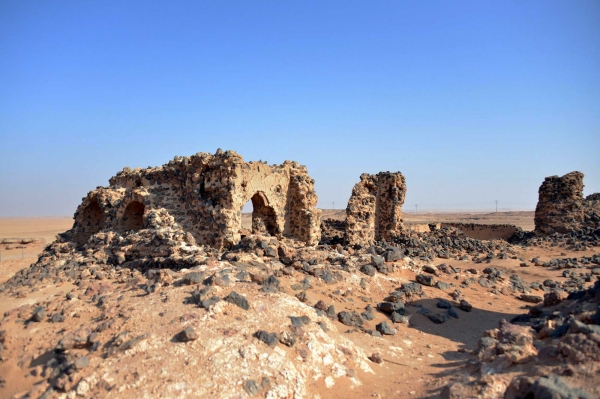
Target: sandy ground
(418, 360)
(43, 229)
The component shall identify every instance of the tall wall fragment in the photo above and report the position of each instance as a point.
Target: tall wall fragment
(374, 210)
(561, 207)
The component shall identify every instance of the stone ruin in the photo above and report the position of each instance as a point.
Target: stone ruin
(374, 210)
(561, 207)
(203, 195)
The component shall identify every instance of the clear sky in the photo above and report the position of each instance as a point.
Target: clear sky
(473, 101)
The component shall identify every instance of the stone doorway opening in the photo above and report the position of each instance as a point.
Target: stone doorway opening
(133, 217)
(264, 219)
(92, 221)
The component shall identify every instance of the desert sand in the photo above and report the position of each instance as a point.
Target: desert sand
(417, 361)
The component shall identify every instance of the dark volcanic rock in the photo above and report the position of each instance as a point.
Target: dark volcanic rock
(385, 329)
(237, 299)
(464, 305)
(444, 304)
(39, 314)
(270, 339)
(188, 334)
(530, 298)
(352, 319)
(426, 279)
(390, 307)
(368, 270)
(438, 318)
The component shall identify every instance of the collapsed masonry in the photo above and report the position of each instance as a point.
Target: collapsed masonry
(374, 210)
(561, 207)
(203, 195)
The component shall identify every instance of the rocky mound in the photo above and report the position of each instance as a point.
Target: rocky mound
(551, 352)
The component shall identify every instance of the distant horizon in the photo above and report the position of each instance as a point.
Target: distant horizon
(425, 212)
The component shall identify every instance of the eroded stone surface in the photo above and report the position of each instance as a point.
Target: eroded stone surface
(204, 194)
(374, 210)
(561, 207)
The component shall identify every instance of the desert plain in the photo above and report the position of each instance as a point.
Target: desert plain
(140, 350)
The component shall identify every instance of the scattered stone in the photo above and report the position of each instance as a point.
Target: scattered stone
(270, 339)
(465, 306)
(251, 387)
(438, 318)
(444, 304)
(207, 303)
(390, 307)
(426, 279)
(385, 329)
(430, 269)
(193, 278)
(271, 285)
(368, 270)
(531, 298)
(376, 358)
(351, 319)
(188, 334)
(237, 300)
(302, 297)
(39, 314)
(57, 318)
(82, 363)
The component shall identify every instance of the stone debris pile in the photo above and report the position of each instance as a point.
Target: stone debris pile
(560, 337)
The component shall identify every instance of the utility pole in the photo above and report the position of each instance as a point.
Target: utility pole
(416, 209)
(496, 206)
(333, 204)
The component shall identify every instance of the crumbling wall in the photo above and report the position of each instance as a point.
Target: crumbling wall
(561, 207)
(374, 211)
(204, 194)
(485, 231)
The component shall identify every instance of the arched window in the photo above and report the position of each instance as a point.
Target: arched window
(133, 217)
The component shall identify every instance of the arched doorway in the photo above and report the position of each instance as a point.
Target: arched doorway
(264, 219)
(92, 221)
(133, 217)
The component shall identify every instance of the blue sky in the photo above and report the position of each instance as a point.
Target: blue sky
(472, 101)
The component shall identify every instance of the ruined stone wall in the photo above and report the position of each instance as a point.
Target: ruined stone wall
(374, 211)
(561, 207)
(485, 231)
(205, 194)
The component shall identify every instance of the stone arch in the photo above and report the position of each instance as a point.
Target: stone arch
(91, 222)
(133, 216)
(264, 218)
